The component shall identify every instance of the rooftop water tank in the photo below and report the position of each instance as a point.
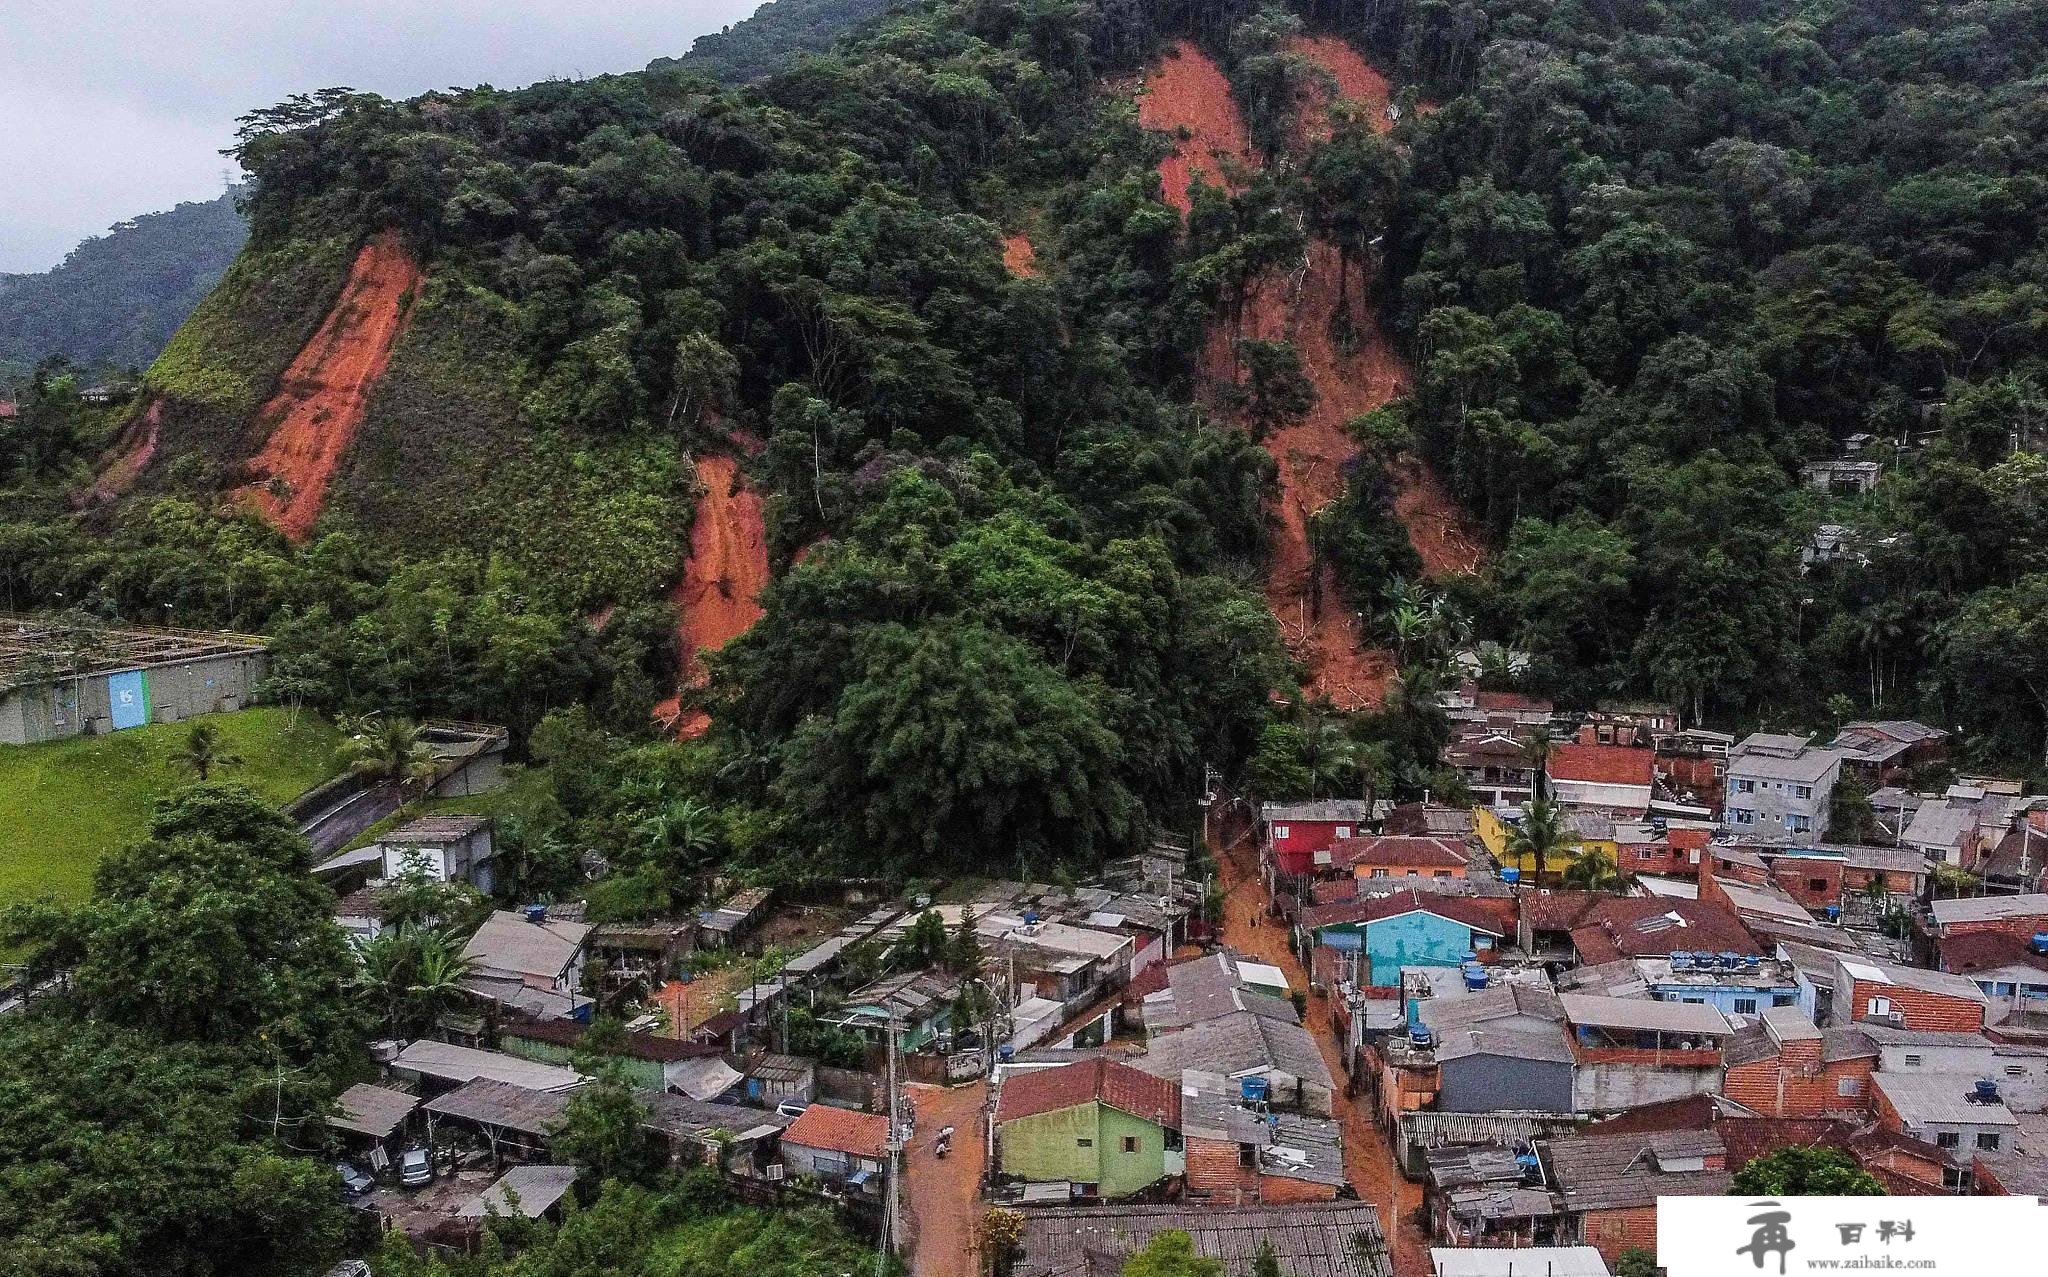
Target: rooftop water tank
(1005, 1053)
(1986, 1091)
(1418, 1035)
(2041, 942)
(535, 913)
(1510, 875)
(1031, 917)
(1475, 976)
(1253, 1089)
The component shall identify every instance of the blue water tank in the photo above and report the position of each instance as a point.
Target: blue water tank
(1030, 917)
(1986, 1092)
(1510, 875)
(1253, 1089)
(1005, 1053)
(1475, 976)
(2041, 942)
(1418, 1035)
(535, 913)
(1834, 913)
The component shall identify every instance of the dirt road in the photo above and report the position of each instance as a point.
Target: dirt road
(1368, 1158)
(942, 1196)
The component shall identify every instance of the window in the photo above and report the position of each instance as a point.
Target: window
(1878, 1006)
(1988, 1141)
(1745, 786)
(1745, 1006)
(1379, 873)
(1782, 999)
(1816, 884)
(1912, 1061)
(1280, 831)
(1955, 1178)
(1804, 791)
(1343, 831)
(1414, 873)
(1798, 824)
(1441, 873)
(1248, 1155)
(1741, 816)
(2015, 1070)
(1647, 853)
(1846, 1086)
(1084, 1143)
(1130, 1143)
(1948, 1139)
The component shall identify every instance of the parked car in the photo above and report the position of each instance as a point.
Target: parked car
(354, 1182)
(416, 1167)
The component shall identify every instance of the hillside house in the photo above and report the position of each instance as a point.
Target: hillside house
(444, 848)
(1609, 1184)
(1326, 1239)
(1963, 825)
(1615, 779)
(372, 1121)
(514, 1121)
(1840, 478)
(918, 1003)
(729, 925)
(1886, 752)
(1903, 997)
(529, 963)
(1237, 1153)
(1213, 986)
(1493, 765)
(432, 1067)
(649, 1062)
(1633, 1051)
(1503, 1048)
(839, 1146)
(1947, 1110)
(1295, 832)
(1400, 856)
(1786, 1066)
(1488, 1196)
(1104, 1127)
(1733, 984)
(2020, 917)
(1780, 785)
(2013, 973)
(1376, 936)
(1590, 927)
(1248, 1044)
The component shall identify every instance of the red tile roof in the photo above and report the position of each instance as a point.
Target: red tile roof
(1399, 851)
(1371, 909)
(1603, 764)
(1986, 950)
(841, 1131)
(1512, 701)
(1118, 1086)
(1654, 927)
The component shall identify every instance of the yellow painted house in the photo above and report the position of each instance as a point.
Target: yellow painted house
(1587, 834)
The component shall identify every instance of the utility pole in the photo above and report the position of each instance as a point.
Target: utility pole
(891, 1148)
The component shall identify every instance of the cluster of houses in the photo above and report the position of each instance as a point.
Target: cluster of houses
(1548, 1061)
(485, 1093)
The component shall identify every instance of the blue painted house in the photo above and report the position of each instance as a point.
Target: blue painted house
(1382, 934)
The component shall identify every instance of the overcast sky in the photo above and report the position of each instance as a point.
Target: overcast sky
(109, 108)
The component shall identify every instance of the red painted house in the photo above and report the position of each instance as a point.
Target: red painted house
(1296, 832)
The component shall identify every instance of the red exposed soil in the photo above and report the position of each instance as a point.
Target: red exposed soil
(324, 393)
(1187, 93)
(1359, 86)
(1020, 255)
(128, 458)
(941, 1194)
(715, 601)
(1368, 1157)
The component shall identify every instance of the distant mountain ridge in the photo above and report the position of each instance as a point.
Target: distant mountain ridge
(118, 297)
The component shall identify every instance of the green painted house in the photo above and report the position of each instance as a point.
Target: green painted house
(1098, 1124)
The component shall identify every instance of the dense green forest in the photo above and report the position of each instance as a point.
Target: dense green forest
(117, 298)
(772, 37)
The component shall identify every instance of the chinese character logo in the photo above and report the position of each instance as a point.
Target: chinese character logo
(1771, 1237)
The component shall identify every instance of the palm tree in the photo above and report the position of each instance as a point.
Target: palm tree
(439, 968)
(393, 749)
(684, 825)
(1540, 836)
(1536, 752)
(387, 961)
(1332, 753)
(1591, 870)
(205, 751)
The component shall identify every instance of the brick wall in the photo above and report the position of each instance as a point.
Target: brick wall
(1785, 1086)
(1215, 1173)
(1710, 863)
(1614, 1231)
(1931, 1012)
(1798, 874)
(2020, 928)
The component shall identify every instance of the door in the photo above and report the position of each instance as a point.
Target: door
(128, 695)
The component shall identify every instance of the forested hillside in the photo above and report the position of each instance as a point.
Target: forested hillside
(118, 297)
(774, 35)
(1646, 262)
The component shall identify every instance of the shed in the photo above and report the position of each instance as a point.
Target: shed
(372, 1112)
(515, 1121)
(531, 1191)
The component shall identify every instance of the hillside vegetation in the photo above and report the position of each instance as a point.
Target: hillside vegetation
(1645, 261)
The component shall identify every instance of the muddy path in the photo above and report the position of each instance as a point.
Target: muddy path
(1249, 928)
(322, 397)
(717, 599)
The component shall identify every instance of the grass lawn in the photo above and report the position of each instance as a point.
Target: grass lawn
(65, 803)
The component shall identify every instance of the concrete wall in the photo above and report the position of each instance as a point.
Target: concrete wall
(1774, 800)
(177, 691)
(1610, 1088)
(1415, 940)
(1490, 1083)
